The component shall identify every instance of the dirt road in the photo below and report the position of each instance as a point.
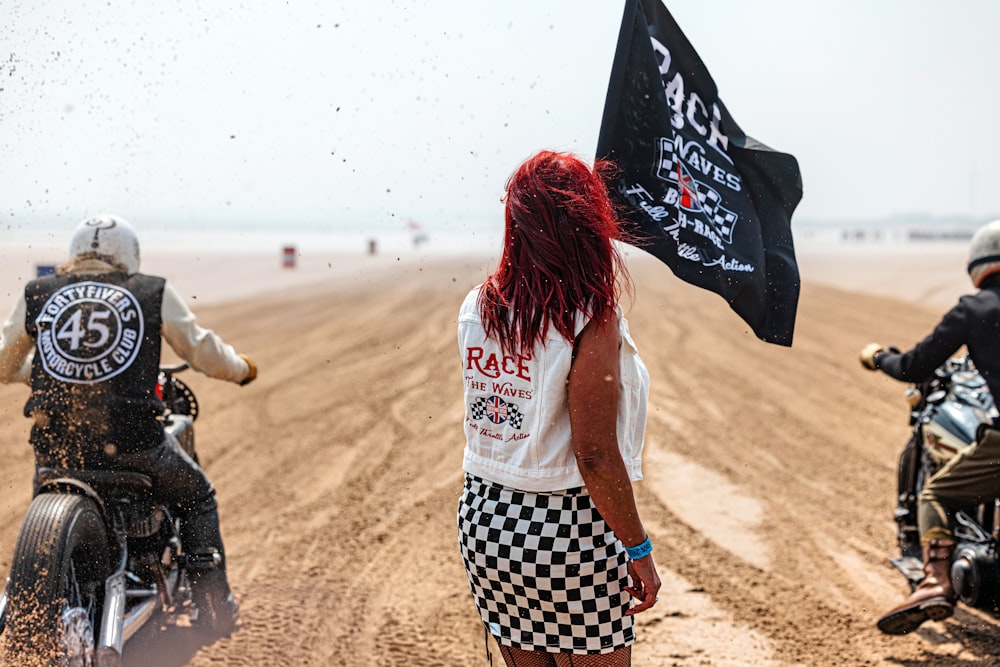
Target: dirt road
(768, 492)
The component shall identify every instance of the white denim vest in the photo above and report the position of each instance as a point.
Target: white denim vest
(517, 427)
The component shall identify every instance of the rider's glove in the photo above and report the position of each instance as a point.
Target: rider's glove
(868, 354)
(251, 374)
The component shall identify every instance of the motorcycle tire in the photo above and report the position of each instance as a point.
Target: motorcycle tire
(57, 583)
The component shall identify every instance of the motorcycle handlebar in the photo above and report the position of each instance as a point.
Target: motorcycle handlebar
(170, 370)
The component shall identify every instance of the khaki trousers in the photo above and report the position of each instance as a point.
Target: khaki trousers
(971, 478)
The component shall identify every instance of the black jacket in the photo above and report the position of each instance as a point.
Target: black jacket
(96, 364)
(973, 322)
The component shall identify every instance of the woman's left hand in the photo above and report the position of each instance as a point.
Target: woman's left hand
(645, 584)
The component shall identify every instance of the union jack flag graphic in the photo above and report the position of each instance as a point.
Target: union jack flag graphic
(685, 186)
(497, 411)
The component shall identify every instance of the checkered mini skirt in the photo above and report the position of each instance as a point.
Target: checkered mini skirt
(546, 571)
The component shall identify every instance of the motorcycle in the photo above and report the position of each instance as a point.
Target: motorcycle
(98, 556)
(945, 413)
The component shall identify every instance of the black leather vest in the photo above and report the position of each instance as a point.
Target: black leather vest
(97, 356)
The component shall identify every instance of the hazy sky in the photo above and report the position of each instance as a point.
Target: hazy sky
(367, 114)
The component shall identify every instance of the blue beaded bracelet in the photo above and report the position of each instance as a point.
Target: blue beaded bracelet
(640, 550)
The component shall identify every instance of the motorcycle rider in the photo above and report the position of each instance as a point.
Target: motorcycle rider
(972, 476)
(87, 341)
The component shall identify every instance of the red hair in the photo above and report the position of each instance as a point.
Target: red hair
(558, 257)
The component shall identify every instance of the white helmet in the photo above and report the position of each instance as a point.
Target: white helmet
(106, 237)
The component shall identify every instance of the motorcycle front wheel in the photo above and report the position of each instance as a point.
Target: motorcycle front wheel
(57, 583)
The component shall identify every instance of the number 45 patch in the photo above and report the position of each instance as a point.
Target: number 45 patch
(89, 332)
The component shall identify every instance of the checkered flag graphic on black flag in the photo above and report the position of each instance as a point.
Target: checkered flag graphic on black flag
(692, 194)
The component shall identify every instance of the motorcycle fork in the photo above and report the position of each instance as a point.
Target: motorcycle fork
(996, 521)
(906, 496)
(909, 464)
(3, 607)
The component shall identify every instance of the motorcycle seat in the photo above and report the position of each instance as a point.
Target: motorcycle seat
(115, 479)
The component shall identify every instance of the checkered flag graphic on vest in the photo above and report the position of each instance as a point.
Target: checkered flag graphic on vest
(497, 411)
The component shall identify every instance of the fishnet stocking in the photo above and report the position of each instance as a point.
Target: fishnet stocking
(620, 658)
(515, 657)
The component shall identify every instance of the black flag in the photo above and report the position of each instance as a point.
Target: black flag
(712, 203)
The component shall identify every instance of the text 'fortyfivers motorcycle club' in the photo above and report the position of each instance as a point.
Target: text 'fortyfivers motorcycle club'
(89, 332)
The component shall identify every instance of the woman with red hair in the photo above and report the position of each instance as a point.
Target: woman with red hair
(555, 409)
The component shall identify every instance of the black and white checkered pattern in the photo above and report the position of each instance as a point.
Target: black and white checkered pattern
(723, 219)
(478, 408)
(546, 571)
(515, 416)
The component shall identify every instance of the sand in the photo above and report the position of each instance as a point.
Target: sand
(769, 471)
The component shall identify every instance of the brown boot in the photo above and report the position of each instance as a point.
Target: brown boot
(932, 600)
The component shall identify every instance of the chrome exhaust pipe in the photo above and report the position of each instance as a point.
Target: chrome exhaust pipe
(141, 613)
(112, 639)
(117, 627)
